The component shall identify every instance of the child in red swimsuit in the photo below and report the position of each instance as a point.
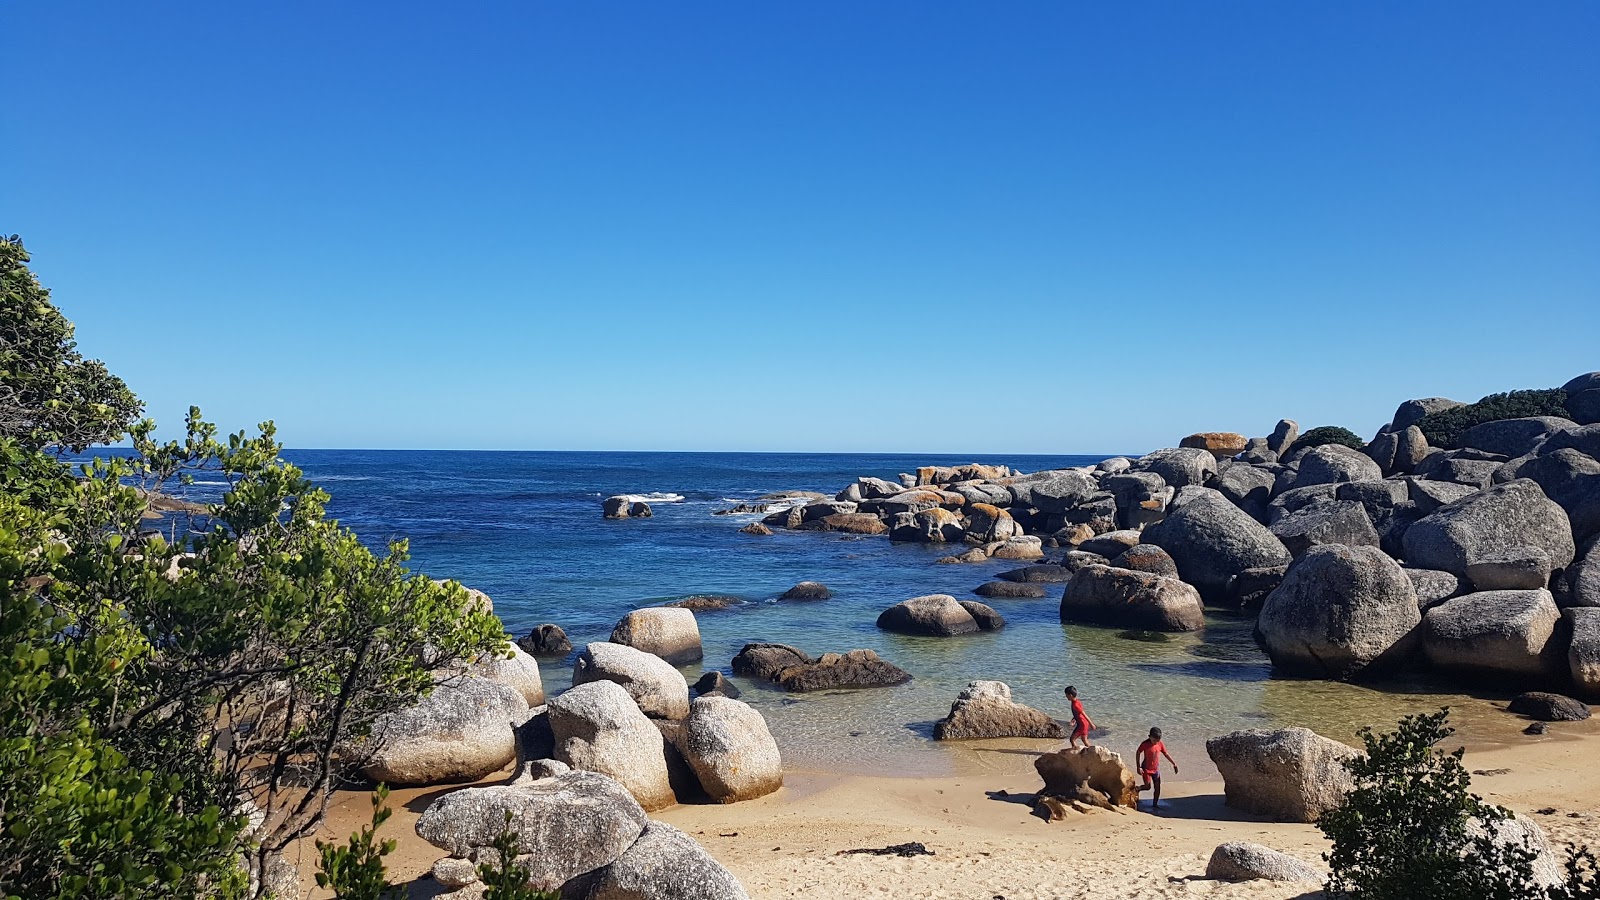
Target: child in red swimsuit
(1150, 753)
(1080, 720)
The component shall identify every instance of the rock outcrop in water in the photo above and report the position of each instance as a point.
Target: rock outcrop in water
(984, 709)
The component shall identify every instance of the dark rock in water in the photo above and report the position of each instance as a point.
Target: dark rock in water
(1512, 437)
(1328, 522)
(1212, 540)
(807, 590)
(625, 507)
(715, 683)
(985, 710)
(756, 528)
(1249, 589)
(1548, 707)
(742, 509)
(936, 615)
(546, 640)
(704, 603)
(765, 661)
(1484, 523)
(1043, 573)
(856, 669)
(1536, 728)
(1339, 612)
(1101, 594)
(1010, 590)
(1147, 558)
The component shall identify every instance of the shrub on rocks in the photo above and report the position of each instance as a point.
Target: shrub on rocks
(1211, 540)
(1288, 775)
(1106, 595)
(651, 681)
(668, 632)
(1494, 633)
(599, 728)
(460, 732)
(1241, 861)
(732, 752)
(984, 709)
(1340, 612)
(1444, 427)
(1323, 435)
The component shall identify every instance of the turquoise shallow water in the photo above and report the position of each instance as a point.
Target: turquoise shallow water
(526, 528)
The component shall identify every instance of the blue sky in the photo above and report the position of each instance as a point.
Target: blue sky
(1024, 227)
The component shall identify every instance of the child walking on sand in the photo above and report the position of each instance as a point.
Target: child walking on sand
(1150, 753)
(1080, 720)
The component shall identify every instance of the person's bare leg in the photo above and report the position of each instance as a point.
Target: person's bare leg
(1155, 800)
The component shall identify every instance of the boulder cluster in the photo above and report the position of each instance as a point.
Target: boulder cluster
(1477, 558)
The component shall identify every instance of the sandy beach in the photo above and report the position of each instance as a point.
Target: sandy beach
(988, 844)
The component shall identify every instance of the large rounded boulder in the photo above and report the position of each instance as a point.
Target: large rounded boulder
(1179, 467)
(658, 689)
(1583, 653)
(1513, 437)
(663, 864)
(1335, 463)
(513, 668)
(1484, 523)
(730, 749)
(1495, 634)
(1211, 540)
(669, 632)
(598, 728)
(1326, 522)
(984, 709)
(1106, 595)
(1094, 775)
(462, 731)
(1288, 775)
(567, 826)
(937, 615)
(1339, 612)
(765, 661)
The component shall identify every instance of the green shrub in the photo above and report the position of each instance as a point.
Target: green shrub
(1404, 832)
(356, 871)
(1443, 428)
(507, 880)
(1328, 434)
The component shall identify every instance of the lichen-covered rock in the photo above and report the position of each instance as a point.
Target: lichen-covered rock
(1288, 775)
(1069, 771)
(1147, 558)
(1106, 595)
(515, 669)
(1241, 861)
(568, 825)
(765, 661)
(939, 615)
(855, 669)
(984, 709)
(1335, 463)
(1494, 633)
(1010, 590)
(546, 640)
(931, 526)
(462, 731)
(598, 728)
(1486, 522)
(1327, 522)
(1339, 612)
(853, 523)
(1221, 444)
(1179, 467)
(666, 631)
(1211, 540)
(1433, 586)
(732, 752)
(807, 590)
(663, 864)
(986, 522)
(651, 681)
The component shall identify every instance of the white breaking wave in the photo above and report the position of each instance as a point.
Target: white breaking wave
(656, 497)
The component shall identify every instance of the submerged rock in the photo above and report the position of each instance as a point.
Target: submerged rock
(856, 669)
(1010, 590)
(807, 590)
(546, 640)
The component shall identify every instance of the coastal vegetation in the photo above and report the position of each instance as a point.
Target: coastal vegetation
(1330, 434)
(1444, 427)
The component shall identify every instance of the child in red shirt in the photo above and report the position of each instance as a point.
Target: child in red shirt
(1080, 720)
(1150, 753)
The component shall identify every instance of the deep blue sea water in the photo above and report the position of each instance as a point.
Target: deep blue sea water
(526, 528)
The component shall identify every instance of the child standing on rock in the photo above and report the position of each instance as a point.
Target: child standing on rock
(1080, 720)
(1149, 759)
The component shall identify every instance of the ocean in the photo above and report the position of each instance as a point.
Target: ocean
(526, 528)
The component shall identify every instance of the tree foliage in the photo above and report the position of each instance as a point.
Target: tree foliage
(191, 666)
(1328, 434)
(50, 396)
(1413, 830)
(356, 871)
(1444, 428)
